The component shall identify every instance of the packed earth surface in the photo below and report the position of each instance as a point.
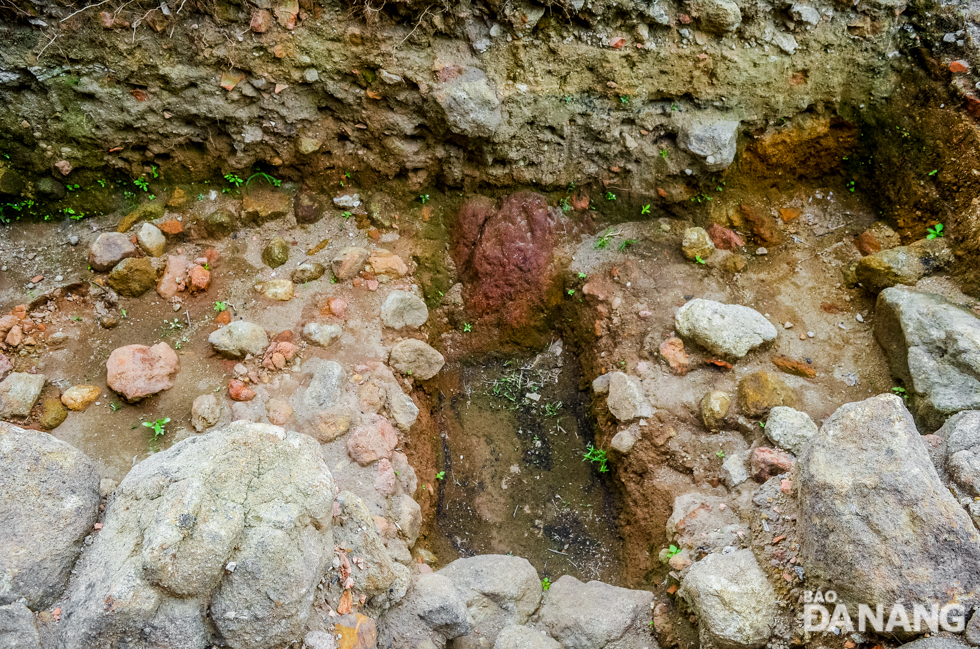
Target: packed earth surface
(495, 324)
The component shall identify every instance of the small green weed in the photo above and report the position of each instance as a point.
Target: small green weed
(900, 391)
(596, 456)
(260, 175)
(142, 183)
(157, 426)
(720, 454)
(645, 210)
(467, 327)
(673, 551)
(424, 198)
(603, 241)
(610, 196)
(234, 180)
(545, 584)
(697, 258)
(664, 153)
(441, 475)
(220, 306)
(935, 232)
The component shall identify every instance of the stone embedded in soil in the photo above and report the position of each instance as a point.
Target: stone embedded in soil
(309, 207)
(790, 429)
(733, 599)
(728, 330)
(278, 411)
(205, 412)
(767, 462)
(760, 392)
(53, 413)
(109, 249)
(714, 408)
(5, 366)
(733, 469)
(321, 334)
(15, 336)
(371, 441)
(138, 371)
(239, 339)
(626, 439)
(433, 608)
(697, 244)
(712, 141)
(199, 279)
(762, 225)
(174, 279)
(522, 637)
(416, 359)
(219, 223)
(469, 101)
(18, 394)
(673, 352)
(239, 391)
(626, 399)
(383, 262)
(262, 204)
(589, 615)
(403, 309)
(933, 348)
(793, 366)
(276, 253)
(133, 277)
(717, 16)
(505, 249)
(277, 289)
(723, 238)
(145, 212)
(348, 262)
(403, 409)
(307, 272)
(188, 532)
(49, 500)
(877, 525)
(903, 265)
(151, 240)
(702, 520)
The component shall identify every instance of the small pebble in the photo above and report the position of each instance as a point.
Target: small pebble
(810, 334)
(761, 251)
(58, 278)
(841, 325)
(788, 325)
(73, 240)
(859, 318)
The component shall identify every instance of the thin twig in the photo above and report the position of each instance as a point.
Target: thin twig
(83, 9)
(416, 25)
(46, 46)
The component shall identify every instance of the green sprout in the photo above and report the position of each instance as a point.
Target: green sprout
(935, 232)
(673, 551)
(220, 306)
(626, 244)
(142, 183)
(645, 210)
(571, 291)
(720, 454)
(347, 214)
(234, 179)
(467, 327)
(596, 456)
(933, 172)
(582, 275)
(116, 406)
(545, 584)
(603, 241)
(698, 259)
(624, 99)
(610, 196)
(664, 153)
(275, 182)
(153, 170)
(441, 475)
(565, 204)
(900, 391)
(424, 198)
(157, 426)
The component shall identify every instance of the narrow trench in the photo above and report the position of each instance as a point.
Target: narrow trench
(516, 480)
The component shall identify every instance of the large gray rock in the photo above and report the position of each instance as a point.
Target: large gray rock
(325, 387)
(876, 524)
(18, 394)
(596, 615)
(49, 501)
(229, 531)
(17, 630)
(735, 603)
(702, 520)
(714, 143)
(521, 637)
(728, 330)
(403, 309)
(790, 429)
(626, 399)
(433, 611)
(962, 458)
(933, 347)
(238, 339)
(109, 249)
(416, 359)
(499, 590)
(470, 104)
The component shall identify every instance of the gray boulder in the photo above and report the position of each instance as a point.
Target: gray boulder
(499, 590)
(229, 531)
(728, 330)
(18, 394)
(239, 339)
(735, 603)
(876, 523)
(403, 309)
(596, 615)
(521, 637)
(703, 520)
(790, 429)
(433, 612)
(713, 143)
(49, 501)
(322, 334)
(17, 630)
(903, 265)
(416, 359)
(933, 347)
(626, 399)
(325, 388)
(470, 104)
(962, 457)
(109, 249)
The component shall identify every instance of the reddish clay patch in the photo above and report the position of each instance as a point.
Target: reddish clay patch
(723, 238)
(795, 367)
(867, 243)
